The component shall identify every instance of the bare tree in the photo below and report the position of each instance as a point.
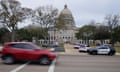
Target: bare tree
(45, 17)
(112, 22)
(11, 13)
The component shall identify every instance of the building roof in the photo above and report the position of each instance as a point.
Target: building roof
(66, 11)
(67, 17)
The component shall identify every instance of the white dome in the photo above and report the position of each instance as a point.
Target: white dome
(67, 17)
(66, 11)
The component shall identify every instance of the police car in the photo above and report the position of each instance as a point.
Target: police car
(102, 50)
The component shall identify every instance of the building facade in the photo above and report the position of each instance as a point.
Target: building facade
(66, 34)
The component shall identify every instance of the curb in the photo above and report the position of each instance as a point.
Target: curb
(64, 53)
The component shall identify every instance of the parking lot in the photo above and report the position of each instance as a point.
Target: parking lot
(69, 63)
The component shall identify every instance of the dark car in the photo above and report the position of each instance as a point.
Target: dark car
(50, 45)
(59, 49)
(102, 50)
(14, 51)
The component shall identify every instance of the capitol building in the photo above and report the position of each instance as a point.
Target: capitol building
(66, 34)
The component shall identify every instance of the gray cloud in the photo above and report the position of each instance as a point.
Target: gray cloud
(83, 10)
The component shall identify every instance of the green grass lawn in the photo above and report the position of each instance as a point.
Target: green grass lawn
(117, 49)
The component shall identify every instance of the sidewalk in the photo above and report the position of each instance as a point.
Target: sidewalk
(117, 53)
(69, 50)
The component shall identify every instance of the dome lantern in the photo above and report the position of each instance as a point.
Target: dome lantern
(65, 6)
(66, 11)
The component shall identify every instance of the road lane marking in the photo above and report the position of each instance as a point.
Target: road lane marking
(20, 67)
(52, 66)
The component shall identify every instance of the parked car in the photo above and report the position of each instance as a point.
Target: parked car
(59, 49)
(102, 50)
(83, 48)
(50, 45)
(14, 51)
(76, 46)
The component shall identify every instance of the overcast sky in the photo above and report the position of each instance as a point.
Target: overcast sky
(83, 10)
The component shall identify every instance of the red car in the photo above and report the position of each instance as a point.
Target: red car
(14, 51)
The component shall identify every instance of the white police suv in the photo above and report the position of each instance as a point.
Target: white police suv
(102, 50)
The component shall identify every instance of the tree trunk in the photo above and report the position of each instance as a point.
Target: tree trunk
(13, 36)
(13, 33)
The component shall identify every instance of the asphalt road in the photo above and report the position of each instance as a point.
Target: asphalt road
(88, 63)
(70, 63)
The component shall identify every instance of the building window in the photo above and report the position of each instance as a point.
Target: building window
(68, 37)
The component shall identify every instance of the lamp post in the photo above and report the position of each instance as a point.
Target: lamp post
(87, 35)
